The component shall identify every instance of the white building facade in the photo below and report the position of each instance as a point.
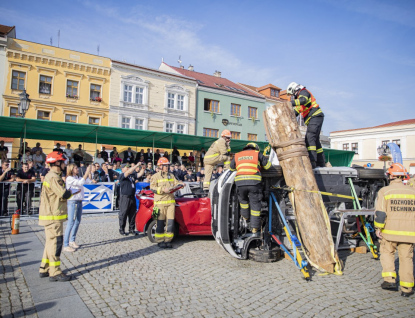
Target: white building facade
(149, 99)
(365, 141)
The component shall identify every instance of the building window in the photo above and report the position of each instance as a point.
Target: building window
(14, 112)
(398, 142)
(180, 129)
(125, 122)
(169, 127)
(180, 102)
(208, 132)
(275, 92)
(128, 93)
(170, 100)
(139, 94)
(93, 121)
(385, 142)
(345, 146)
(72, 89)
(18, 79)
(70, 118)
(252, 112)
(235, 110)
(95, 92)
(211, 105)
(355, 147)
(43, 115)
(252, 137)
(139, 124)
(45, 85)
(235, 135)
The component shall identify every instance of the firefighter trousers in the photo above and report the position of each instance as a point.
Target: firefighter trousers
(163, 233)
(210, 164)
(51, 259)
(406, 270)
(312, 141)
(250, 197)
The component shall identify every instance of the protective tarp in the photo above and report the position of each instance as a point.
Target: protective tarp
(53, 130)
(395, 152)
(339, 158)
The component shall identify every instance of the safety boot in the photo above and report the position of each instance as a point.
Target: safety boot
(407, 294)
(255, 233)
(43, 275)
(60, 278)
(389, 286)
(168, 245)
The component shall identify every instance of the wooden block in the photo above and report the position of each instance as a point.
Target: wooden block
(361, 249)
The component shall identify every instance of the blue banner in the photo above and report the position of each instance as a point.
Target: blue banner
(98, 197)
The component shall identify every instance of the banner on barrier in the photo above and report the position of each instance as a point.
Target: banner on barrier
(98, 197)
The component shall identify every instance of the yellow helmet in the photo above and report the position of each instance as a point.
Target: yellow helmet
(251, 145)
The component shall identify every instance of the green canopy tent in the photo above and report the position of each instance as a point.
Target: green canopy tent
(53, 130)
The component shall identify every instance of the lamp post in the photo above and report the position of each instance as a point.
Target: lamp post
(23, 107)
(383, 150)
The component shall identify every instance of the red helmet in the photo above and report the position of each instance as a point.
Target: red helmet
(163, 161)
(55, 157)
(397, 170)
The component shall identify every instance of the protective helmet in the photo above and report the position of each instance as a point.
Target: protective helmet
(397, 170)
(163, 161)
(251, 145)
(293, 88)
(55, 157)
(226, 133)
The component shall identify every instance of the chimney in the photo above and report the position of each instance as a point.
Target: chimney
(190, 68)
(217, 74)
(182, 67)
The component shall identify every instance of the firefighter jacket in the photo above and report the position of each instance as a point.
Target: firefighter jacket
(247, 163)
(53, 199)
(306, 105)
(395, 212)
(158, 182)
(218, 152)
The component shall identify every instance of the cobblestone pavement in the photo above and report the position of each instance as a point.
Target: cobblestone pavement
(119, 276)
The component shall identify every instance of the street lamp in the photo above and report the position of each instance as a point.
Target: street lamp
(383, 150)
(23, 107)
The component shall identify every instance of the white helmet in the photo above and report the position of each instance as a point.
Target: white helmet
(293, 88)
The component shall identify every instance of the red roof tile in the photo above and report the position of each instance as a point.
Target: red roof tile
(4, 29)
(256, 89)
(268, 86)
(395, 123)
(215, 82)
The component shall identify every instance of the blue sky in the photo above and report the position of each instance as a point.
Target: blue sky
(357, 57)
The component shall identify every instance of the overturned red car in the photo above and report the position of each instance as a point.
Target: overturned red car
(192, 215)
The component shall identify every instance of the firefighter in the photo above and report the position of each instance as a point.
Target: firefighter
(161, 184)
(305, 105)
(218, 153)
(395, 227)
(52, 214)
(248, 179)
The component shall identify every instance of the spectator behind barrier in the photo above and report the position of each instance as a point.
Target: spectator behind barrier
(116, 158)
(148, 156)
(200, 176)
(104, 154)
(175, 155)
(128, 156)
(38, 161)
(78, 154)
(69, 153)
(189, 177)
(99, 159)
(37, 148)
(3, 151)
(6, 176)
(25, 188)
(157, 156)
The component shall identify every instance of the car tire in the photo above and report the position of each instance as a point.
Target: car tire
(151, 230)
(263, 256)
(371, 173)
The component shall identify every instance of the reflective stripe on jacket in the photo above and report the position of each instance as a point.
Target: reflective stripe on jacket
(53, 207)
(247, 163)
(395, 212)
(158, 182)
(218, 151)
(306, 105)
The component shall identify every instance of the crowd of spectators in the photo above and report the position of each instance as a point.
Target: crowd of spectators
(105, 167)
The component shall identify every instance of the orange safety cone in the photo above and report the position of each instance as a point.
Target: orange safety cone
(16, 222)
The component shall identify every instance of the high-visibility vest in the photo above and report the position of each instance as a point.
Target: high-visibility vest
(305, 109)
(247, 163)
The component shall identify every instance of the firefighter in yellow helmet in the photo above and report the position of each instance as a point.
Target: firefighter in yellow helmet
(52, 214)
(219, 152)
(162, 184)
(248, 180)
(395, 227)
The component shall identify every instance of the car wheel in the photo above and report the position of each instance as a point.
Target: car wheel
(371, 173)
(264, 256)
(151, 231)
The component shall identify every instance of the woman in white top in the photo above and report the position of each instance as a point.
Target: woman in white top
(99, 159)
(75, 184)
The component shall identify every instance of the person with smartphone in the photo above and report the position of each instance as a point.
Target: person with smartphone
(76, 185)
